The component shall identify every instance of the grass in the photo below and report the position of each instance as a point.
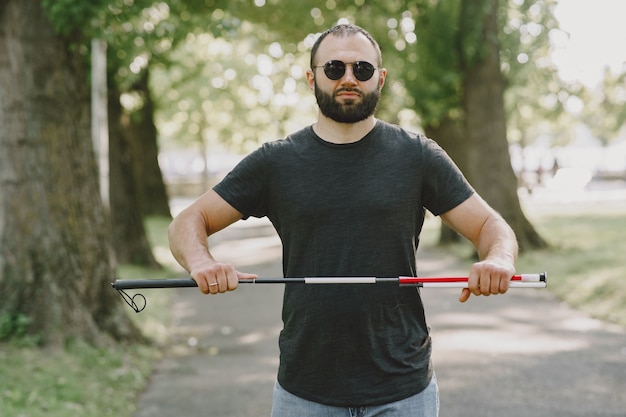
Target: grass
(585, 264)
(585, 260)
(585, 267)
(79, 381)
(82, 380)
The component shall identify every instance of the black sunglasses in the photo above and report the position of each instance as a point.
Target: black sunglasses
(335, 69)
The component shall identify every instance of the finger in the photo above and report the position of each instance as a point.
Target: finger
(213, 286)
(496, 282)
(203, 285)
(225, 278)
(465, 295)
(229, 281)
(245, 275)
(504, 285)
(220, 282)
(485, 283)
(473, 282)
(233, 281)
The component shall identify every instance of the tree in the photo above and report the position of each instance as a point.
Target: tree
(436, 79)
(128, 234)
(141, 35)
(140, 126)
(446, 54)
(230, 91)
(56, 263)
(137, 188)
(605, 108)
(457, 85)
(485, 143)
(535, 95)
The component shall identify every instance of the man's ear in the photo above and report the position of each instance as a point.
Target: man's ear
(310, 79)
(382, 77)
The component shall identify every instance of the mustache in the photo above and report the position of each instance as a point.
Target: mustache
(349, 90)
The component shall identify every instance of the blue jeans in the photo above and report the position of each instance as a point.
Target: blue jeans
(424, 404)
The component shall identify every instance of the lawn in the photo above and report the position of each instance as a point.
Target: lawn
(585, 265)
(83, 380)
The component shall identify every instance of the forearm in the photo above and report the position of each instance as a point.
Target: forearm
(188, 239)
(496, 241)
(188, 234)
(189, 231)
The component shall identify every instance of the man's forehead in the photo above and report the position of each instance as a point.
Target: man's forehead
(355, 45)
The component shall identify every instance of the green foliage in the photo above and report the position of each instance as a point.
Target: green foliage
(434, 81)
(143, 37)
(605, 107)
(422, 44)
(535, 92)
(471, 23)
(15, 328)
(141, 33)
(236, 92)
(425, 44)
(70, 16)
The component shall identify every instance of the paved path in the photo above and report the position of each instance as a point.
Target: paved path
(520, 355)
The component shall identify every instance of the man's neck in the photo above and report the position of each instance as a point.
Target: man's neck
(342, 133)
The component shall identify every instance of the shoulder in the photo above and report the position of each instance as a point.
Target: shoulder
(395, 135)
(295, 142)
(396, 132)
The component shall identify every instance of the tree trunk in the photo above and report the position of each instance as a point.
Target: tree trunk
(56, 264)
(486, 148)
(128, 231)
(448, 134)
(151, 191)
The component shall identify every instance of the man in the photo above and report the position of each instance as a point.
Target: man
(347, 197)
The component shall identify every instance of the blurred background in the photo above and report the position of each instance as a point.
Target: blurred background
(116, 114)
(583, 46)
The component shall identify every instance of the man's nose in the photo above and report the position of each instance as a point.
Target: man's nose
(348, 76)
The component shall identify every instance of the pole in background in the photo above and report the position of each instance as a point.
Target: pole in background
(99, 115)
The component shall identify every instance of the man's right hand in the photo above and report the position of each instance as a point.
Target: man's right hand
(216, 277)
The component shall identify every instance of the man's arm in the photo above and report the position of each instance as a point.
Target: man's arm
(494, 241)
(188, 234)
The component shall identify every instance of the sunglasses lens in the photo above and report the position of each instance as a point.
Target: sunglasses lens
(362, 70)
(334, 70)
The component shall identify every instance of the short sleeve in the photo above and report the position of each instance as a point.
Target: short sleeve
(445, 187)
(245, 187)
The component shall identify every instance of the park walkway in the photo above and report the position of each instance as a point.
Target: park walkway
(520, 355)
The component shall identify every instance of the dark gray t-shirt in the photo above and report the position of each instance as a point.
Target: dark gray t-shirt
(349, 210)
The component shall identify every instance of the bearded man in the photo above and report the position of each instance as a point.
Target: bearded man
(347, 196)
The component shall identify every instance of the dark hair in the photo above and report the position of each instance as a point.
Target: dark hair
(345, 30)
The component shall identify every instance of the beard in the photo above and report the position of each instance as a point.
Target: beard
(350, 111)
